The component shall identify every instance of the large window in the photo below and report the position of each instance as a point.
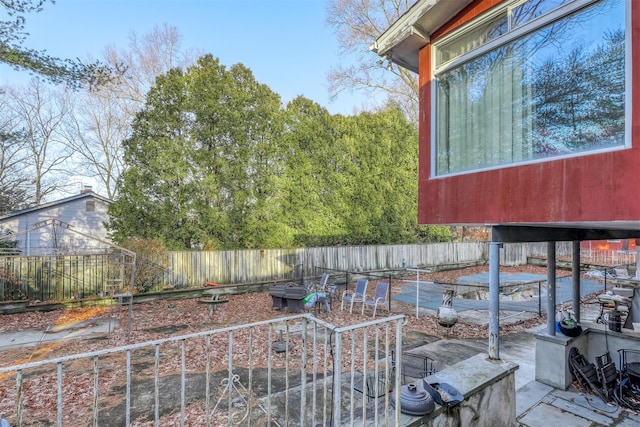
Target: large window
(533, 80)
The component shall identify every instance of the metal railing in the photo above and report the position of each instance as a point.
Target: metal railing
(609, 257)
(294, 371)
(64, 277)
(523, 296)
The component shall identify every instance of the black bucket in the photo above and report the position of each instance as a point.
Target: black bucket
(614, 321)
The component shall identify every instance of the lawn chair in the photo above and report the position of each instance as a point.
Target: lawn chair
(380, 298)
(322, 286)
(356, 296)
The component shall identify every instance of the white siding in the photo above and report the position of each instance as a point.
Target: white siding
(50, 239)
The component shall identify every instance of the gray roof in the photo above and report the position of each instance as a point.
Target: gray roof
(80, 196)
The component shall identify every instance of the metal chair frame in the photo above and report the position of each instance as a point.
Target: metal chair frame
(357, 296)
(380, 297)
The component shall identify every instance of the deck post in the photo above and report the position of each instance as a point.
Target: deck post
(551, 288)
(494, 300)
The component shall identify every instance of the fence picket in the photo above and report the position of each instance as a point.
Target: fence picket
(47, 278)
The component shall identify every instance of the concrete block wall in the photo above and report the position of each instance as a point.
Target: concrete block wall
(488, 387)
(552, 352)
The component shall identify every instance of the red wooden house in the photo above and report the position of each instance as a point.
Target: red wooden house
(529, 123)
(529, 114)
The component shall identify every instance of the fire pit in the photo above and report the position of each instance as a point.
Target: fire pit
(287, 296)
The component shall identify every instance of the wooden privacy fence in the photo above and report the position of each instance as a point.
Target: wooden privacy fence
(249, 266)
(63, 277)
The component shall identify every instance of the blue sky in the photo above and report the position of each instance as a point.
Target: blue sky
(286, 43)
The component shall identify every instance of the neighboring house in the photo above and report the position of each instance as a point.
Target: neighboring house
(529, 115)
(73, 225)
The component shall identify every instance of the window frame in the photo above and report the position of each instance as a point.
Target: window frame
(511, 35)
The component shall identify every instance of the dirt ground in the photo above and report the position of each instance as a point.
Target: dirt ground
(164, 319)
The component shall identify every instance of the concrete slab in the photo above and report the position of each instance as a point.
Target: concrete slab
(545, 415)
(589, 402)
(31, 337)
(430, 295)
(583, 412)
(629, 420)
(520, 349)
(530, 395)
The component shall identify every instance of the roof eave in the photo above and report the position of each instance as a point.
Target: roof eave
(402, 41)
(55, 203)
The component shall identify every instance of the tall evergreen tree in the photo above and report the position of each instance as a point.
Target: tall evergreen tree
(198, 160)
(215, 161)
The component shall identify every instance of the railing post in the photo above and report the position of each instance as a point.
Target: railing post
(539, 298)
(398, 371)
(303, 371)
(417, 292)
(575, 274)
(337, 381)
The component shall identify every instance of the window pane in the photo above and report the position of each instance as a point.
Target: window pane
(478, 36)
(557, 91)
(532, 9)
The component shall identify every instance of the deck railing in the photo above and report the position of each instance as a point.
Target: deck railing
(294, 371)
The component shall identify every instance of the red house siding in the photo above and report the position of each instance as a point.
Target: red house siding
(596, 187)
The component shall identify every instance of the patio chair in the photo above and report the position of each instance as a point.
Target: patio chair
(380, 298)
(322, 286)
(356, 296)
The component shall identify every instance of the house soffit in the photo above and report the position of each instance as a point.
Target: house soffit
(402, 41)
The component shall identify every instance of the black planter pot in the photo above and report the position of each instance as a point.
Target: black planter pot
(570, 329)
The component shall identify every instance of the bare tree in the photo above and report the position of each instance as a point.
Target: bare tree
(40, 112)
(102, 117)
(146, 57)
(357, 24)
(95, 132)
(13, 180)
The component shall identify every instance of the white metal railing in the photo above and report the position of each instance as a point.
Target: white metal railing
(418, 282)
(608, 256)
(228, 376)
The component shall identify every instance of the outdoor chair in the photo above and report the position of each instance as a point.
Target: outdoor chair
(356, 296)
(322, 286)
(380, 298)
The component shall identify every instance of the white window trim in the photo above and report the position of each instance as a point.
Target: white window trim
(530, 26)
